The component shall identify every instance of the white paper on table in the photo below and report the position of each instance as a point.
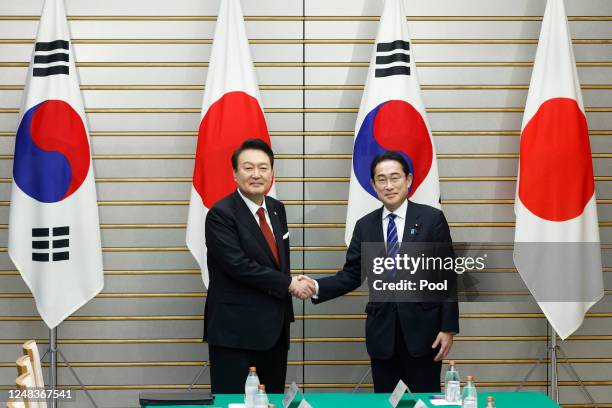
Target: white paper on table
(420, 404)
(444, 402)
(237, 405)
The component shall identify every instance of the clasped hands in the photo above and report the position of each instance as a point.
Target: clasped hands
(302, 287)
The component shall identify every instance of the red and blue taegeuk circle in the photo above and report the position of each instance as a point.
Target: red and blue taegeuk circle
(51, 152)
(393, 125)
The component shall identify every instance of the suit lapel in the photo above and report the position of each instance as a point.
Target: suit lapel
(378, 235)
(278, 231)
(377, 228)
(247, 219)
(412, 224)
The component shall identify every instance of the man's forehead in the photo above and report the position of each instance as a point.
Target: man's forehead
(253, 156)
(388, 167)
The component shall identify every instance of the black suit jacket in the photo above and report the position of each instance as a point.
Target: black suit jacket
(248, 304)
(420, 322)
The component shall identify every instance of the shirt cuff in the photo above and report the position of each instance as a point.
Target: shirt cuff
(316, 295)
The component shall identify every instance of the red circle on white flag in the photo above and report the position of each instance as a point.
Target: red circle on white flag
(555, 167)
(235, 117)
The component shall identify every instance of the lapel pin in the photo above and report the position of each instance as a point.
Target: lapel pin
(414, 230)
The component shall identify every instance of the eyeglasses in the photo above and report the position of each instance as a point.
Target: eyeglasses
(395, 180)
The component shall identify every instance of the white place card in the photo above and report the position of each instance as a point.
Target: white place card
(290, 394)
(304, 404)
(420, 404)
(398, 393)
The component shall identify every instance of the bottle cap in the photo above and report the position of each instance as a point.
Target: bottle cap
(451, 363)
(489, 399)
(261, 387)
(252, 370)
(270, 405)
(469, 378)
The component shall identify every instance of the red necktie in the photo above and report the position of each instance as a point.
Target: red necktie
(267, 233)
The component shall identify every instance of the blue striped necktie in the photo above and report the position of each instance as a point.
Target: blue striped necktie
(392, 243)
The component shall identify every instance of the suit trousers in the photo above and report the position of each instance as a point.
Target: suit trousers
(229, 367)
(420, 374)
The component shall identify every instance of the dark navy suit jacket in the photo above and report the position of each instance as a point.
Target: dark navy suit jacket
(248, 304)
(420, 322)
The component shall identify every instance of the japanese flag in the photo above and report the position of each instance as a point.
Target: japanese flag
(231, 113)
(557, 250)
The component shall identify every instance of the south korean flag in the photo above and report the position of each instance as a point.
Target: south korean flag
(54, 231)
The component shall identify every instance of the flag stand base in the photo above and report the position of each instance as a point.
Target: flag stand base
(363, 377)
(555, 349)
(198, 375)
(54, 352)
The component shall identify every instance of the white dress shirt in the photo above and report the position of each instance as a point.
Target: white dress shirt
(400, 222)
(254, 207)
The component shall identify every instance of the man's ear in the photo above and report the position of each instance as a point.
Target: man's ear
(234, 174)
(409, 178)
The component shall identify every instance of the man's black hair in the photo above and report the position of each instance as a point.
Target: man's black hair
(252, 144)
(385, 156)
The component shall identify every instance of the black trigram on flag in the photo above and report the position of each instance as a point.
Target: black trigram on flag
(396, 53)
(51, 58)
(47, 247)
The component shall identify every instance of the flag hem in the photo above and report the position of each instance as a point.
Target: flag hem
(64, 316)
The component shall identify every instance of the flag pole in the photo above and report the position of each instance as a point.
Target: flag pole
(566, 363)
(54, 352)
(554, 374)
(53, 365)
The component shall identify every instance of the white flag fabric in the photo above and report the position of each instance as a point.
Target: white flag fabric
(54, 231)
(557, 250)
(391, 117)
(231, 113)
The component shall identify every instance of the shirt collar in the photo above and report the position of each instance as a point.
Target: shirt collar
(253, 207)
(400, 212)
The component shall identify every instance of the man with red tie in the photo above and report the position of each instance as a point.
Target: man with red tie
(248, 305)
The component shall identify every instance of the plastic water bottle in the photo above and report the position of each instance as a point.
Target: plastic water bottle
(250, 388)
(469, 398)
(490, 402)
(452, 383)
(261, 399)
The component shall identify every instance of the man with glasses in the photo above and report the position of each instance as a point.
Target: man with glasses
(405, 340)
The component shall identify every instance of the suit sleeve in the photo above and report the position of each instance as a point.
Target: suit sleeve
(349, 278)
(450, 310)
(222, 240)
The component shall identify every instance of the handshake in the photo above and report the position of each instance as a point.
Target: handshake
(302, 287)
